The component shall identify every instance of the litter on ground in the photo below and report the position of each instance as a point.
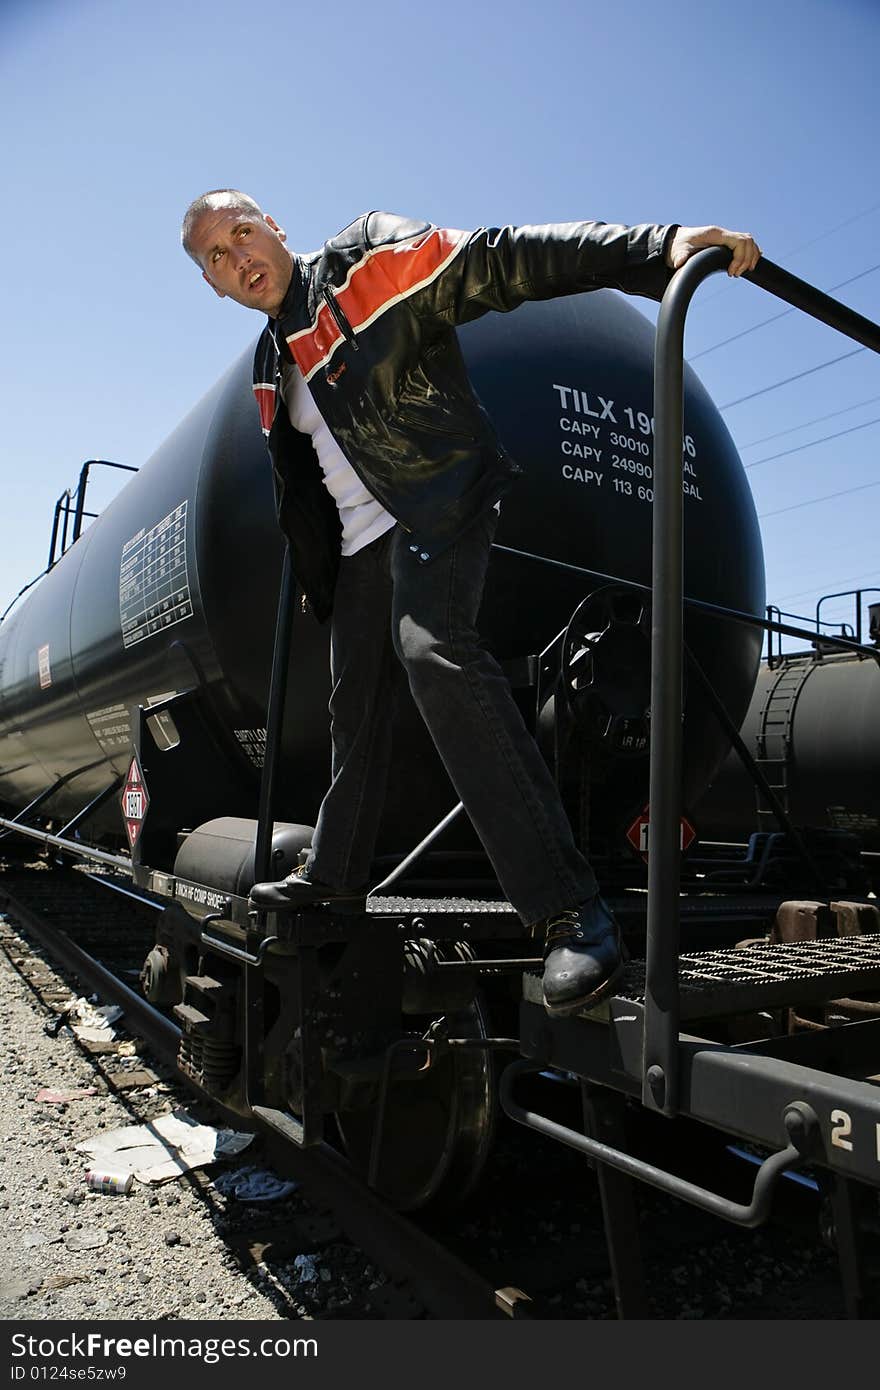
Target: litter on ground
(90, 1238)
(49, 1097)
(306, 1272)
(164, 1148)
(255, 1185)
(91, 1022)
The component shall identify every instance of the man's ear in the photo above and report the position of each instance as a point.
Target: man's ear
(210, 282)
(279, 231)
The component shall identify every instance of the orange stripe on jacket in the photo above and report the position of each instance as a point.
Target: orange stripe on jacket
(312, 346)
(265, 395)
(376, 283)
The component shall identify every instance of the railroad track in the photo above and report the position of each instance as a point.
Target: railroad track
(536, 1222)
(55, 907)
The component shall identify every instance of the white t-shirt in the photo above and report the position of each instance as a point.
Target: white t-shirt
(363, 518)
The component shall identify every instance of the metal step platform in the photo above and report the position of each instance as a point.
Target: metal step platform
(757, 976)
(431, 906)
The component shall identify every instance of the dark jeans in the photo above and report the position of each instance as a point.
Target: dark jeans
(388, 607)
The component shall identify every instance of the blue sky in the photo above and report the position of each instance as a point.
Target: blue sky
(762, 116)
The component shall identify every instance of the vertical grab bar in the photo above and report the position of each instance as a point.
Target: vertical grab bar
(660, 1055)
(660, 1042)
(275, 720)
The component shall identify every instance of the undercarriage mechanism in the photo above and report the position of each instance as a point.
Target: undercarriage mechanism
(383, 1037)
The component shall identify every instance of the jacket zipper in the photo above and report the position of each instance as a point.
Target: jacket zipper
(347, 331)
(341, 321)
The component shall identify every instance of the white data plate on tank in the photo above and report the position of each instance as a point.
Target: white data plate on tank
(154, 590)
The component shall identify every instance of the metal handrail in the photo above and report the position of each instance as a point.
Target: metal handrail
(63, 502)
(64, 506)
(661, 1036)
(712, 610)
(81, 486)
(42, 837)
(848, 593)
(750, 1214)
(75, 502)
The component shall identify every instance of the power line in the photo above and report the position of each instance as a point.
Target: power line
(829, 497)
(839, 555)
(797, 377)
(796, 251)
(839, 227)
(858, 579)
(799, 448)
(692, 357)
(773, 317)
(817, 420)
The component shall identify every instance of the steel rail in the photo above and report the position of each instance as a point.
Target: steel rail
(155, 1029)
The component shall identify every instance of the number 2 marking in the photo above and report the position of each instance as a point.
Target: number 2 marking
(841, 1127)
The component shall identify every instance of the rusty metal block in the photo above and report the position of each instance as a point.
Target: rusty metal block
(853, 919)
(802, 921)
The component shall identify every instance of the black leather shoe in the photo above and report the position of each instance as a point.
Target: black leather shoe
(584, 957)
(297, 891)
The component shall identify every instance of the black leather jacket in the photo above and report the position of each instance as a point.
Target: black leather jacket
(370, 319)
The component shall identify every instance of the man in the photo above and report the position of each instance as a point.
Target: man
(388, 475)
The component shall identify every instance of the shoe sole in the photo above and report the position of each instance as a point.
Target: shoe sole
(587, 1001)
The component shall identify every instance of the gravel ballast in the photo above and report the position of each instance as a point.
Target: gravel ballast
(182, 1249)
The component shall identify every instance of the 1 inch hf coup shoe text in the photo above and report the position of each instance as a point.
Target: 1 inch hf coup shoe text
(584, 957)
(298, 891)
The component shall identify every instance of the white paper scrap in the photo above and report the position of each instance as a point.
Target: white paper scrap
(165, 1147)
(94, 1024)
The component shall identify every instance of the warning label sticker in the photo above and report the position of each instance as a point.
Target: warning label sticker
(154, 591)
(44, 668)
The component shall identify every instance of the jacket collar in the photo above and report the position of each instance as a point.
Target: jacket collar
(295, 291)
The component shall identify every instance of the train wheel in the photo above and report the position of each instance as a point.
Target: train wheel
(438, 1126)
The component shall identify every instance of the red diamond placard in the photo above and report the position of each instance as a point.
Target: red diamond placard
(638, 833)
(134, 801)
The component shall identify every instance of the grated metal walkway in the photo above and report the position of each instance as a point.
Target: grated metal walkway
(757, 976)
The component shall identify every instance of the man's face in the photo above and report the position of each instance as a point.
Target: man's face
(243, 257)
